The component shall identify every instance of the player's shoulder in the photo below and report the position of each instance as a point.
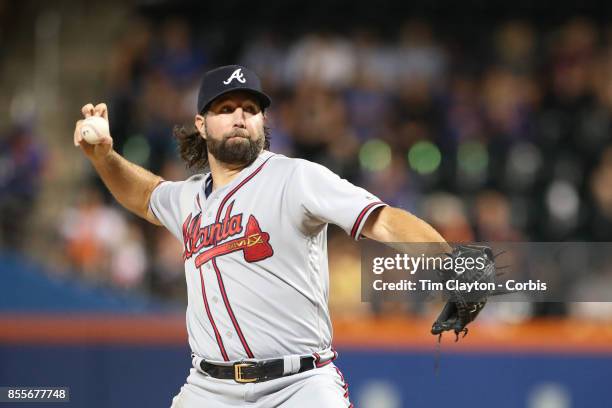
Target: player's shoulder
(292, 164)
(194, 179)
(197, 178)
(191, 183)
(281, 164)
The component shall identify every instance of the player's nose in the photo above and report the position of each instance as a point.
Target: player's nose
(239, 118)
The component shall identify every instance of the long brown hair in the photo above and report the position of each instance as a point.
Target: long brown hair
(192, 146)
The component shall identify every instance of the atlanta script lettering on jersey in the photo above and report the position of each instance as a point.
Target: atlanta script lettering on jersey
(195, 237)
(254, 244)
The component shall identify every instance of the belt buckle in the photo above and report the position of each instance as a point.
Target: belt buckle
(238, 373)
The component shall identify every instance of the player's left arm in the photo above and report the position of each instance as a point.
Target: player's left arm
(389, 224)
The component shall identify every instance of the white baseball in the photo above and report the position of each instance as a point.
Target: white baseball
(94, 128)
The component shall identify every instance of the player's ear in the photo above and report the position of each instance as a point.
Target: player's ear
(200, 124)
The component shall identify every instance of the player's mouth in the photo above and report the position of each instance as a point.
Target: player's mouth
(237, 134)
(236, 137)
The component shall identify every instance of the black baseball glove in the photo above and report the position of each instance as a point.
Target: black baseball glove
(464, 305)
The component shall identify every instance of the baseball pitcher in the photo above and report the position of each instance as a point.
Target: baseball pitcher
(254, 230)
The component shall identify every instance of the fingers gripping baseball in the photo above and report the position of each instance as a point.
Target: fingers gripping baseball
(101, 110)
(87, 110)
(92, 133)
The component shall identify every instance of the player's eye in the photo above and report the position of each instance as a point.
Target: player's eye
(252, 109)
(225, 109)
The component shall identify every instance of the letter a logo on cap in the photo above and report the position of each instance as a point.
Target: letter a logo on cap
(237, 75)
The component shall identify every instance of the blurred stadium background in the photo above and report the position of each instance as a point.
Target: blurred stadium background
(490, 121)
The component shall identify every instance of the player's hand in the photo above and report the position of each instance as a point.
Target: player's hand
(101, 149)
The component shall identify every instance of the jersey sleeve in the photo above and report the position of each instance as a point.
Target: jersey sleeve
(165, 205)
(319, 197)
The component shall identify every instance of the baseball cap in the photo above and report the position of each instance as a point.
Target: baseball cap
(222, 80)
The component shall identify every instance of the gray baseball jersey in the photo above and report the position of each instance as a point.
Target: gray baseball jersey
(255, 255)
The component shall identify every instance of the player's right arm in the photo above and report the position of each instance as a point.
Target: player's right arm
(130, 184)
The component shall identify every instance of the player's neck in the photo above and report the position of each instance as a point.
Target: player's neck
(223, 173)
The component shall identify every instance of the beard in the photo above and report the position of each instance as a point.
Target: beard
(235, 147)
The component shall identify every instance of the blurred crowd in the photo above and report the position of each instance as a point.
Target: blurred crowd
(504, 140)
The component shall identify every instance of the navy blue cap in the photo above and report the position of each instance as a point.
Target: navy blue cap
(229, 78)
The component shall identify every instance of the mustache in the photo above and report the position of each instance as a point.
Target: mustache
(243, 133)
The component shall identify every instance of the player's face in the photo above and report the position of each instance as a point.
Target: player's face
(234, 128)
